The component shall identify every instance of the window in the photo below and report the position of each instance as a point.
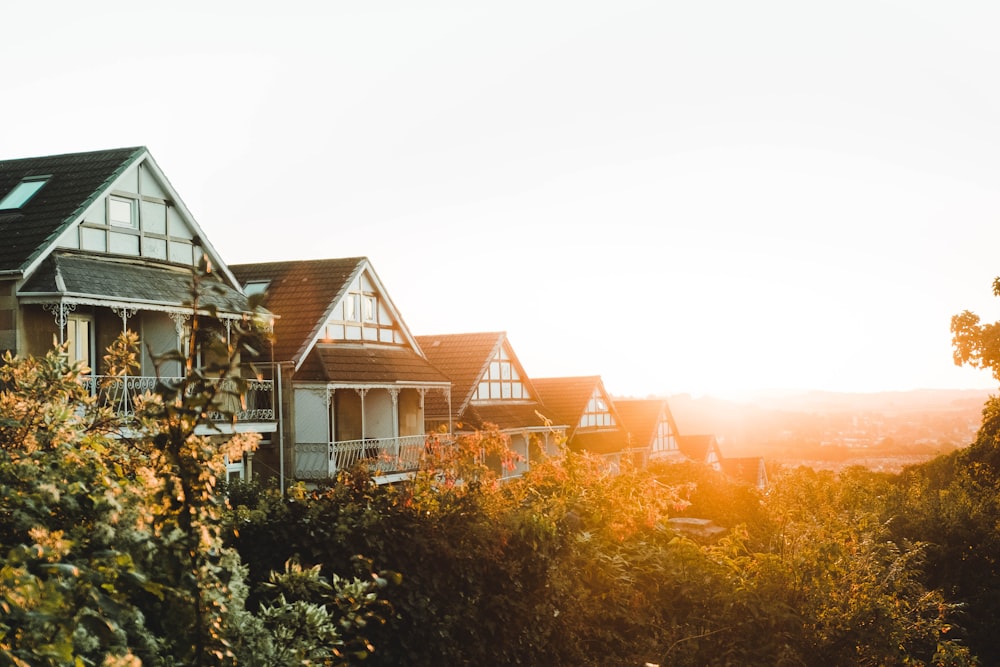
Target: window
(501, 381)
(256, 287)
(665, 440)
(360, 318)
(79, 338)
(351, 310)
(597, 413)
(121, 213)
(23, 192)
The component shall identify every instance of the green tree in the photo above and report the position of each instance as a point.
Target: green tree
(974, 343)
(71, 521)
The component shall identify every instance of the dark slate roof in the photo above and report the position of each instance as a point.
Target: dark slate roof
(301, 294)
(77, 179)
(640, 417)
(72, 274)
(371, 364)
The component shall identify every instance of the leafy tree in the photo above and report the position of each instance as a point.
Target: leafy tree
(71, 521)
(974, 343)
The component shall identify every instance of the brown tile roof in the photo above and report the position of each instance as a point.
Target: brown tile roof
(599, 442)
(69, 273)
(640, 418)
(506, 415)
(372, 364)
(463, 358)
(301, 293)
(77, 179)
(697, 447)
(567, 398)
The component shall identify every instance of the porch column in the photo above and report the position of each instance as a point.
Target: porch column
(394, 395)
(364, 426)
(331, 425)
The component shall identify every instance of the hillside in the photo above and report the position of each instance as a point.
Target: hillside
(827, 429)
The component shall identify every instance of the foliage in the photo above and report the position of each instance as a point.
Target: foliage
(571, 564)
(112, 529)
(70, 522)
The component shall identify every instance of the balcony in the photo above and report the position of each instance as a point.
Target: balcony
(119, 393)
(385, 456)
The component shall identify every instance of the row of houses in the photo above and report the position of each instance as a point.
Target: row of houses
(95, 243)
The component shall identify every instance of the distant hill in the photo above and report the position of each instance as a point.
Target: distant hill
(800, 426)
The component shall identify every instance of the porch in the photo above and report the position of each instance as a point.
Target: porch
(256, 406)
(384, 456)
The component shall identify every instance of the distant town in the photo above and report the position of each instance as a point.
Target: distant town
(825, 430)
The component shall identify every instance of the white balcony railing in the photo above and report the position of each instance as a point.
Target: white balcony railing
(384, 455)
(119, 393)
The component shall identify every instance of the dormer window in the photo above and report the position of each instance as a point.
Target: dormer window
(22, 193)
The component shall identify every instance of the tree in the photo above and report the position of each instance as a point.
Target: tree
(976, 344)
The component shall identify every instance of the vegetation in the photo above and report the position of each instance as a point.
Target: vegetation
(128, 550)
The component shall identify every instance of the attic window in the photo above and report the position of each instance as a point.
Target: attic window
(121, 212)
(23, 192)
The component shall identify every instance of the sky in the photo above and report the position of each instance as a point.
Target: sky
(680, 197)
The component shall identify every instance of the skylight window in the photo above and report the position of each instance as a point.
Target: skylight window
(22, 193)
(256, 287)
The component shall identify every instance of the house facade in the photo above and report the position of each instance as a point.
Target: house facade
(355, 381)
(97, 243)
(490, 386)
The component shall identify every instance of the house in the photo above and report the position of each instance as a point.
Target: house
(99, 242)
(354, 380)
(651, 431)
(584, 405)
(747, 469)
(701, 449)
(489, 386)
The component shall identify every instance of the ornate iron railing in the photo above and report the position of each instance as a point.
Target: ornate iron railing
(257, 403)
(384, 455)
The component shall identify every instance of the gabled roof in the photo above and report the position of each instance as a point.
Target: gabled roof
(567, 399)
(463, 358)
(697, 447)
(303, 294)
(76, 181)
(640, 417)
(73, 182)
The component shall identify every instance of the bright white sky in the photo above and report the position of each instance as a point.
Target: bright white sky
(678, 196)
